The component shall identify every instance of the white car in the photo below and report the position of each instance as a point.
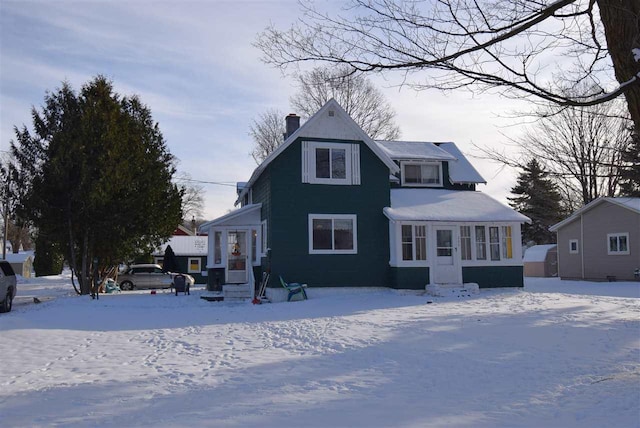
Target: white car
(148, 276)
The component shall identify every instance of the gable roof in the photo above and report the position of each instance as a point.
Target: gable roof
(448, 205)
(538, 253)
(414, 150)
(632, 204)
(343, 127)
(235, 214)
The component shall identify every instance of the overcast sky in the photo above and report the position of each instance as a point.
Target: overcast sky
(193, 64)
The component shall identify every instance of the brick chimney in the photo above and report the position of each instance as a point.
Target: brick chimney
(293, 123)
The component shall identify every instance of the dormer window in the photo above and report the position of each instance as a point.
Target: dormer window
(428, 174)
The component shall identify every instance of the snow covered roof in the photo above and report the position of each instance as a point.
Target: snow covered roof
(632, 204)
(537, 253)
(418, 150)
(186, 245)
(234, 216)
(461, 170)
(448, 205)
(18, 257)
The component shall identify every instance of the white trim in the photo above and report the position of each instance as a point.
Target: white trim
(617, 236)
(199, 263)
(263, 238)
(333, 217)
(577, 250)
(355, 164)
(404, 164)
(313, 146)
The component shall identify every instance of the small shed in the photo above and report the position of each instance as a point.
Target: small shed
(191, 255)
(541, 261)
(22, 263)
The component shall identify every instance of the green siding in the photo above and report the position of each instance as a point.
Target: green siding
(494, 276)
(411, 278)
(291, 203)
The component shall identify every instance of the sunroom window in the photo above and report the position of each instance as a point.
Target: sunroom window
(422, 174)
(414, 242)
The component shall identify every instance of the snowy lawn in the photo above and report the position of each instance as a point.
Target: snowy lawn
(556, 354)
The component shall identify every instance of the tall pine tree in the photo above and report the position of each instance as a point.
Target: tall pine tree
(536, 197)
(630, 173)
(97, 178)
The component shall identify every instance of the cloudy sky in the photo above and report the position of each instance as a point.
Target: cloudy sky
(193, 64)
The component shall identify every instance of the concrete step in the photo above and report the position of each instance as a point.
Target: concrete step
(237, 292)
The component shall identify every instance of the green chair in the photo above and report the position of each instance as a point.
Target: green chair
(294, 289)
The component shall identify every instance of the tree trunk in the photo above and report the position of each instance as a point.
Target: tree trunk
(621, 20)
(85, 283)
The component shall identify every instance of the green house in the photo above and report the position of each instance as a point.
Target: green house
(331, 207)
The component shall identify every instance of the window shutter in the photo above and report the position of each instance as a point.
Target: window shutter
(355, 164)
(305, 161)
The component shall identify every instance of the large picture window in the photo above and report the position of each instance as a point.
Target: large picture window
(414, 242)
(330, 163)
(617, 244)
(333, 234)
(422, 174)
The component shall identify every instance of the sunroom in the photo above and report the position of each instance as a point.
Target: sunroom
(453, 237)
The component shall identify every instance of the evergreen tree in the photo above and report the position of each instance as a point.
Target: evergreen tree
(537, 198)
(630, 173)
(99, 177)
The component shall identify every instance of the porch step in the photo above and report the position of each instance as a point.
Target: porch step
(453, 290)
(237, 292)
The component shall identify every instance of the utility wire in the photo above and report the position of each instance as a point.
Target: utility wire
(219, 183)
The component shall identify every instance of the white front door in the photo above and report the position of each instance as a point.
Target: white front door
(447, 260)
(237, 257)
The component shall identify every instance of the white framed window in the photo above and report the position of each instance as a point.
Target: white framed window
(217, 248)
(494, 243)
(263, 237)
(414, 242)
(617, 244)
(481, 243)
(330, 163)
(573, 246)
(506, 242)
(428, 174)
(465, 242)
(333, 234)
(254, 245)
(194, 265)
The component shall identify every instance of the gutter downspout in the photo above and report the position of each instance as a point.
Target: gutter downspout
(582, 244)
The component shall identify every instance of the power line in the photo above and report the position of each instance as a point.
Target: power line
(219, 183)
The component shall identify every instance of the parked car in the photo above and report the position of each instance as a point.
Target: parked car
(8, 286)
(148, 276)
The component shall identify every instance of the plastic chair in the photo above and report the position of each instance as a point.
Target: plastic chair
(294, 289)
(180, 284)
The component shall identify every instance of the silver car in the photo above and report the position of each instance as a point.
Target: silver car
(148, 276)
(8, 285)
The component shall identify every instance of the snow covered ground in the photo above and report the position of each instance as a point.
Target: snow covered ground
(556, 354)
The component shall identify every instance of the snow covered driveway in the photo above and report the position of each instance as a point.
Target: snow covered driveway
(556, 354)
